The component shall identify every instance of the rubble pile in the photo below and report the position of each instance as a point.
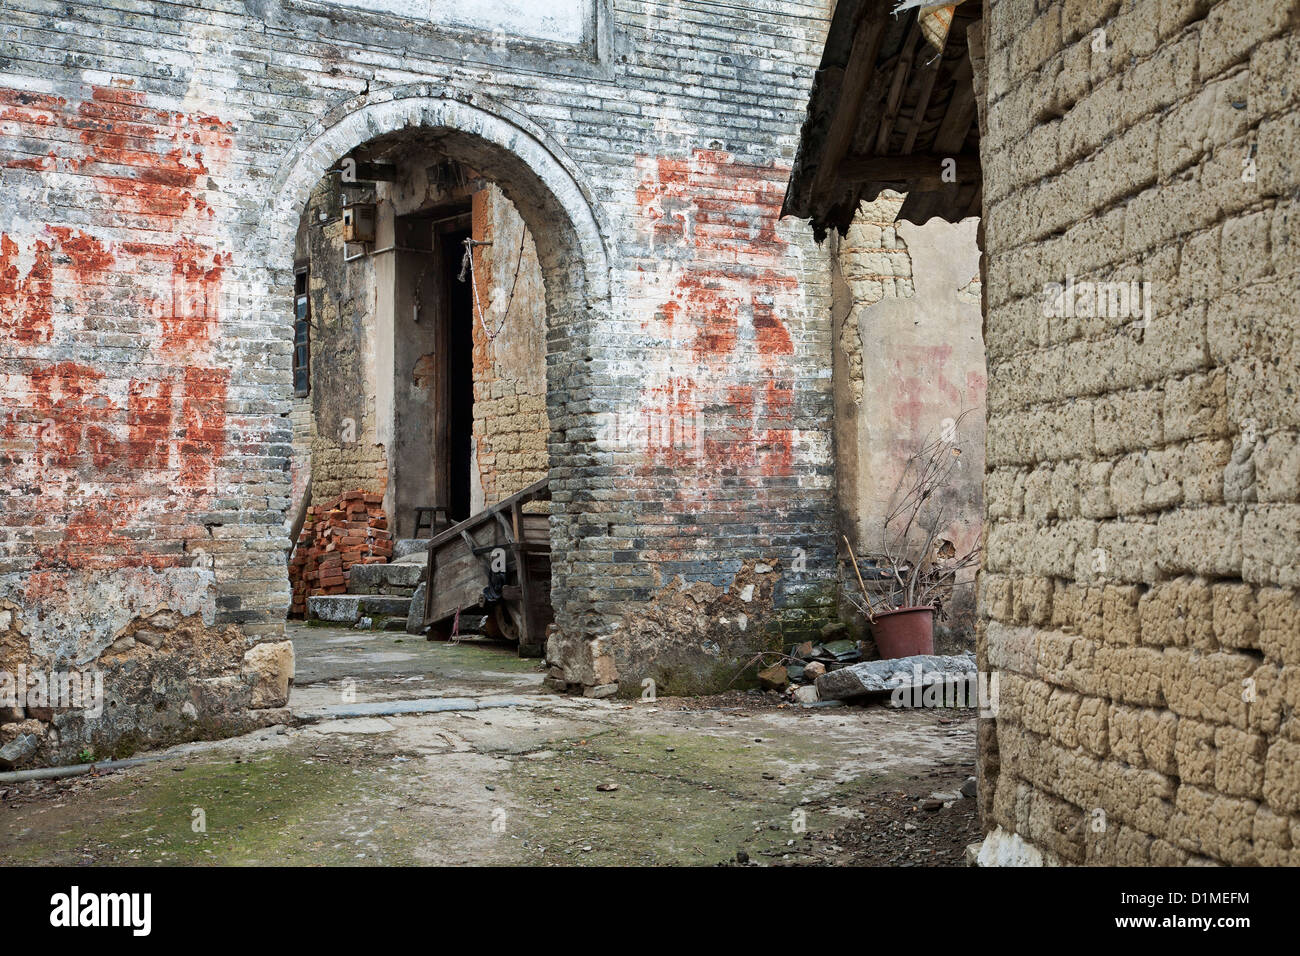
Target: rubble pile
(350, 530)
(837, 670)
(805, 662)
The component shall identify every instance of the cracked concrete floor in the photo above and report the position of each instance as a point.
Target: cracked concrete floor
(546, 780)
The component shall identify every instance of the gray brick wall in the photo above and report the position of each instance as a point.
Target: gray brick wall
(154, 156)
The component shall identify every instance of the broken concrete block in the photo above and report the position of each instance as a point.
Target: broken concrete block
(18, 750)
(878, 677)
(807, 694)
(403, 547)
(814, 670)
(271, 667)
(344, 608)
(383, 578)
(415, 613)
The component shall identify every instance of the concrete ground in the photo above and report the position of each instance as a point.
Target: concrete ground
(414, 752)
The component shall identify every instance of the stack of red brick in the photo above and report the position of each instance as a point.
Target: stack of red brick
(351, 529)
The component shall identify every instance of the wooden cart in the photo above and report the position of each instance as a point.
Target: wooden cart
(498, 563)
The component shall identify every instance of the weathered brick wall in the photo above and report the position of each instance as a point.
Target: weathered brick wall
(156, 157)
(1142, 494)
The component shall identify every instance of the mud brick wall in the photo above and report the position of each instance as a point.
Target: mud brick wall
(1143, 484)
(156, 158)
(510, 426)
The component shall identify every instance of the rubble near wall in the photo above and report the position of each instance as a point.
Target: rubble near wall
(151, 667)
(1139, 594)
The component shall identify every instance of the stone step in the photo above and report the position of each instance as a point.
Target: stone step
(419, 558)
(404, 546)
(384, 578)
(350, 608)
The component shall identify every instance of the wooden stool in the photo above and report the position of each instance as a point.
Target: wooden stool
(429, 518)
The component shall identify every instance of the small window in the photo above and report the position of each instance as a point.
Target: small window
(301, 335)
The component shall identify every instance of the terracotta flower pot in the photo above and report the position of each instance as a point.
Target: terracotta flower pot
(904, 632)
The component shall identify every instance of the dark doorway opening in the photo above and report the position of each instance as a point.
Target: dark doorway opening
(460, 373)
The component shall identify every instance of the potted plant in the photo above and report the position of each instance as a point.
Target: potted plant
(910, 578)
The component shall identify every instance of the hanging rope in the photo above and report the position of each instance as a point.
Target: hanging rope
(467, 263)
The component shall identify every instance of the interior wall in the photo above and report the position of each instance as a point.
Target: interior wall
(378, 345)
(341, 437)
(909, 359)
(510, 423)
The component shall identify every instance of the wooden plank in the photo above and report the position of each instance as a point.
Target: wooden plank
(858, 73)
(526, 635)
(537, 491)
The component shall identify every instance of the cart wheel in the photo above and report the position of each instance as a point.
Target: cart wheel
(505, 623)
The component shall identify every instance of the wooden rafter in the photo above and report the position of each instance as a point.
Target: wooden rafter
(922, 103)
(856, 79)
(894, 103)
(955, 125)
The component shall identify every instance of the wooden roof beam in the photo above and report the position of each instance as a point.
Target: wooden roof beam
(922, 104)
(919, 171)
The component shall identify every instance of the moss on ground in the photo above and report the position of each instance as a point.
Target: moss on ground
(274, 808)
(682, 798)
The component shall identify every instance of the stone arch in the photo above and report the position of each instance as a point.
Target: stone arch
(534, 172)
(572, 239)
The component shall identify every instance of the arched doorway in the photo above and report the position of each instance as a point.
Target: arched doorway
(543, 186)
